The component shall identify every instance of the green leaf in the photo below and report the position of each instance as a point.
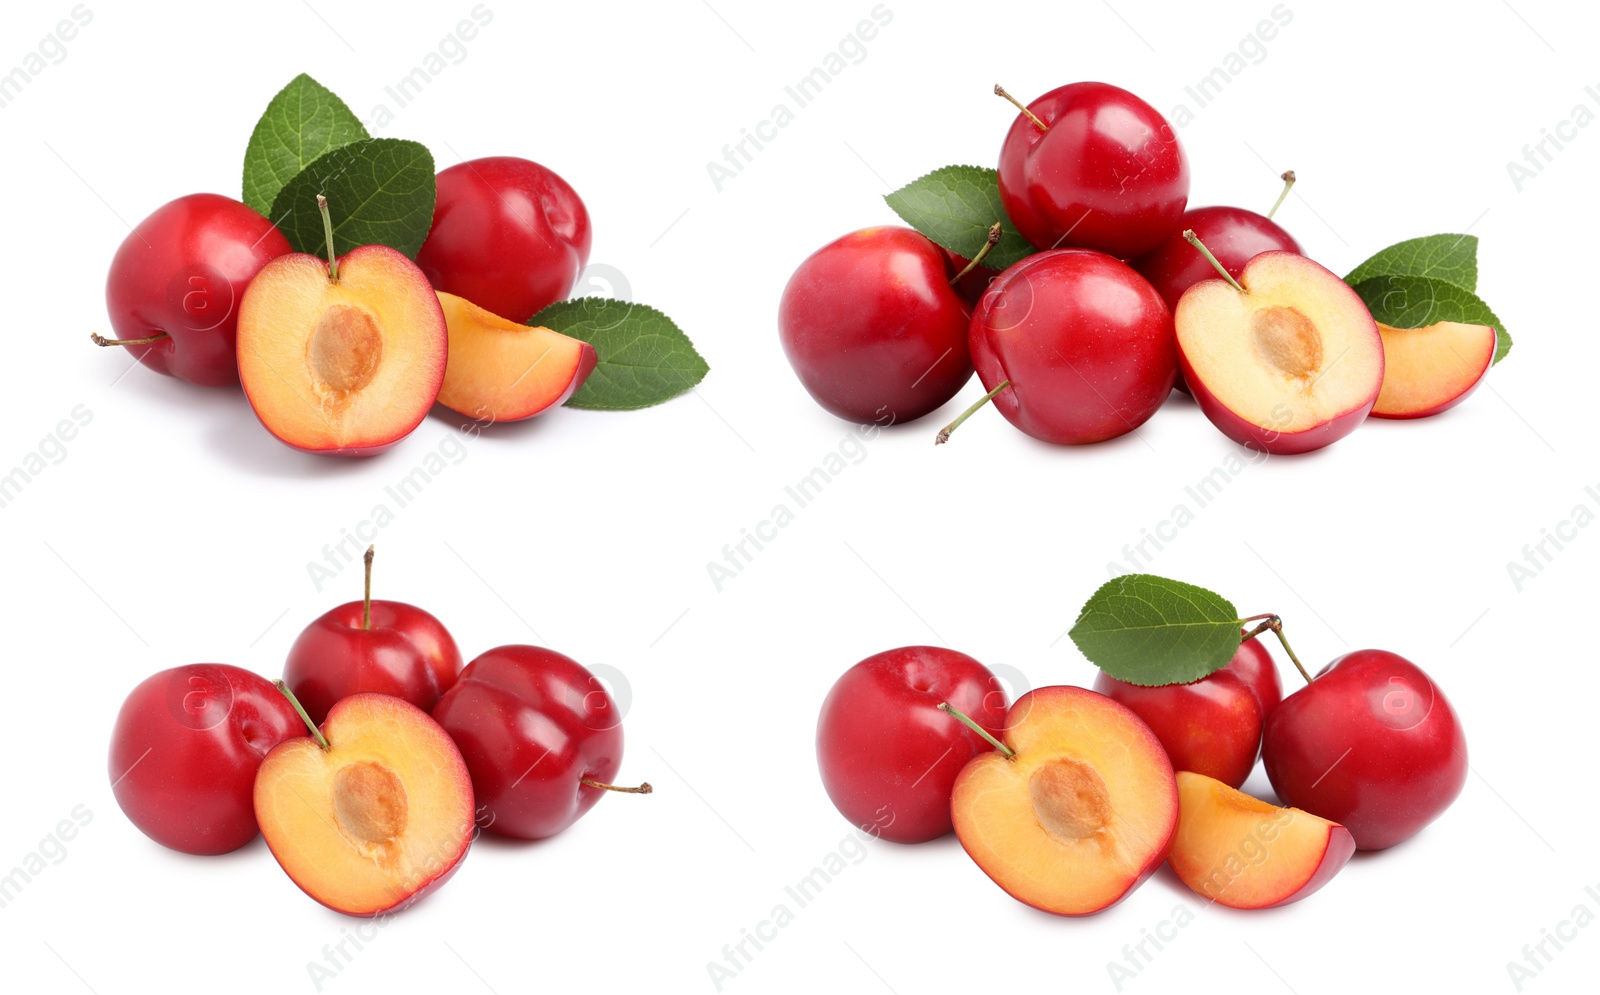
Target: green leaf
(304, 121)
(1149, 630)
(955, 207)
(1450, 258)
(380, 191)
(643, 358)
(1415, 301)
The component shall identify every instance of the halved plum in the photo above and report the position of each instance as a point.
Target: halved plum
(345, 365)
(1080, 813)
(372, 815)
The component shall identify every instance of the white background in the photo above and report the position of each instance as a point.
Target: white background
(176, 530)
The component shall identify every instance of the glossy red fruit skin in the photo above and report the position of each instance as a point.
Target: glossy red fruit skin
(406, 653)
(1211, 726)
(972, 286)
(873, 329)
(1253, 663)
(1086, 342)
(185, 749)
(532, 724)
(1108, 174)
(1234, 236)
(183, 271)
(1371, 743)
(888, 755)
(508, 234)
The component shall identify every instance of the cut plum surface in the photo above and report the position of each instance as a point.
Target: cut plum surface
(1431, 369)
(1080, 815)
(375, 820)
(344, 366)
(502, 371)
(1241, 852)
(1291, 364)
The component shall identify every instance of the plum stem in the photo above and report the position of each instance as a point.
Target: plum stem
(643, 789)
(101, 340)
(327, 233)
(366, 597)
(1275, 624)
(977, 260)
(1258, 630)
(960, 716)
(316, 733)
(944, 433)
(1194, 240)
(1000, 91)
(1288, 184)
(1277, 630)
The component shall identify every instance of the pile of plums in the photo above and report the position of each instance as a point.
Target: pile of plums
(346, 355)
(373, 764)
(1070, 798)
(1128, 295)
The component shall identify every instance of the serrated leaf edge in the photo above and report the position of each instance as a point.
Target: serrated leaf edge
(695, 382)
(340, 101)
(1084, 613)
